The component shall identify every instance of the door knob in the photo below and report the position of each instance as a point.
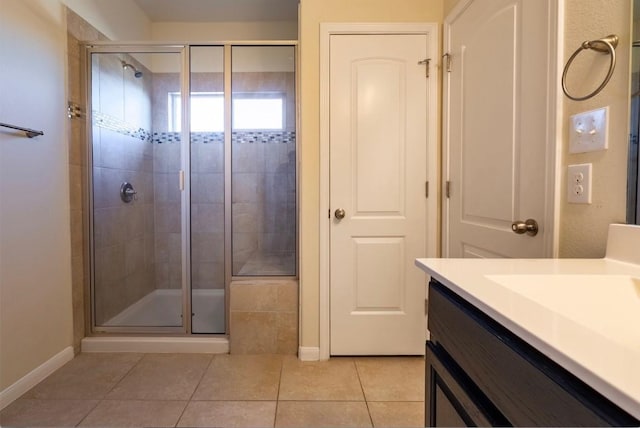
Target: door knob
(530, 227)
(340, 213)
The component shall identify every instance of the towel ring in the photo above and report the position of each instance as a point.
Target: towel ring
(605, 45)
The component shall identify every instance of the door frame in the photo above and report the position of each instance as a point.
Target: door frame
(326, 31)
(553, 157)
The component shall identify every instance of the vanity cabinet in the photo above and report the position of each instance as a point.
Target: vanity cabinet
(478, 373)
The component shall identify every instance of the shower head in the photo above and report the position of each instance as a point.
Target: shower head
(136, 73)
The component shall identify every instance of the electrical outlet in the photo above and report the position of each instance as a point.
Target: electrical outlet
(579, 183)
(589, 131)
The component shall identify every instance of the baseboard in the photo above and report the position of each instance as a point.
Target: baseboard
(308, 353)
(35, 376)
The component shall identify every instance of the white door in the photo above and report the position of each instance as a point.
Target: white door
(500, 106)
(378, 170)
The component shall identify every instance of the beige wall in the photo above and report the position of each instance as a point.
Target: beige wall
(223, 31)
(448, 6)
(116, 19)
(35, 255)
(312, 13)
(583, 228)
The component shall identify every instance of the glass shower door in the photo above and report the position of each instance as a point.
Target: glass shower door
(263, 152)
(207, 138)
(136, 203)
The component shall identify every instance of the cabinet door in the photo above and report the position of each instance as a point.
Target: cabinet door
(451, 399)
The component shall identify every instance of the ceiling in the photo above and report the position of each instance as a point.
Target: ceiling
(219, 10)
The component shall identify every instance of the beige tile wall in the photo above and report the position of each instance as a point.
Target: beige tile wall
(264, 188)
(263, 317)
(78, 29)
(124, 233)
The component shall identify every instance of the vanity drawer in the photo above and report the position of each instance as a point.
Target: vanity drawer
(524, 385)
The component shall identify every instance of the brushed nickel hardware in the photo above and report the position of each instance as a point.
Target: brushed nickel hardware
(447, 61)
(426, 190)
(530, 227)
(127, 192)
(74, 111)
(181, 180)
(30, 132)
(425, 62)
(606, 45)
(340, 213)
(447, 189)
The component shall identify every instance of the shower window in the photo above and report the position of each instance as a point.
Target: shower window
(261, 111)
(206, 109)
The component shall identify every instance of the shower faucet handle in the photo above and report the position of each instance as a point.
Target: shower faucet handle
(128, 193)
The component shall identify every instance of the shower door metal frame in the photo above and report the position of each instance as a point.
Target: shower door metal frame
(185, 78)
(229, 276)
(123, 48)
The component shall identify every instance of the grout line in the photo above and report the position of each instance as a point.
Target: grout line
(123, 377)
(364, 395)
(190, 399)
(275, 416)
(89, 412)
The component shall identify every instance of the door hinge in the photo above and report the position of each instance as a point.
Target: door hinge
(329, 213)
(426, 190)
(447, 189)
(427, 63)
(447, 62)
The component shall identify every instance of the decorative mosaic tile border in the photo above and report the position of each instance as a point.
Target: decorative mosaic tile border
(111, 123)
(263, 137)
(242, 137)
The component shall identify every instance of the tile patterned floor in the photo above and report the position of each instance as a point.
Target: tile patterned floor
(202, 390)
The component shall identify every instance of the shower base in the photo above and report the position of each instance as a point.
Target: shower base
(163, 308)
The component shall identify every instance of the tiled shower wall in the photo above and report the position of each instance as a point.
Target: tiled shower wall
(263, 194)
(124, 233)
(264, 185)
(207, 191)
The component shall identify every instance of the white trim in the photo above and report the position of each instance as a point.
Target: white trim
(176, 345)
(326, 31)
(553, 158)
(35, 376)
(308, 353)
(554, 145)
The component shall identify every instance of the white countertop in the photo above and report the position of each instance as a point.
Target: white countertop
(582, 313)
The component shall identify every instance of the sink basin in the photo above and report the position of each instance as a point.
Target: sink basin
(609, 303)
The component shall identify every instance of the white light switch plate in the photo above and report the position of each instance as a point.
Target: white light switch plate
(589, 131)
(579, 184)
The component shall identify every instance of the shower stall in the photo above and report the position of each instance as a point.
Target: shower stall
(192, 180)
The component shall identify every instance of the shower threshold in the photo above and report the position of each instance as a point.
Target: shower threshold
(160, 344)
